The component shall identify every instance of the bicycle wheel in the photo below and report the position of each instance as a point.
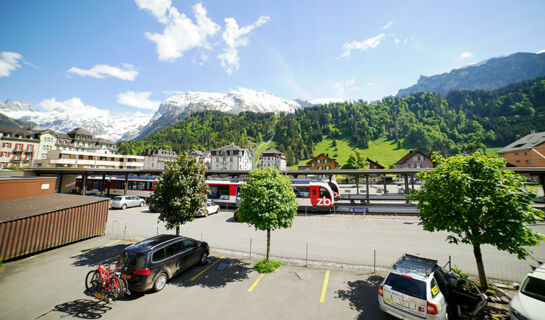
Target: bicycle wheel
(116, 286)
(92, 280)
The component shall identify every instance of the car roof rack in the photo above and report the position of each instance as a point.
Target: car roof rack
(415, 264)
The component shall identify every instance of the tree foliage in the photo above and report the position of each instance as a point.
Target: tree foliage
(479, 203)
(267, 201)
(180, 192)
(356, 161)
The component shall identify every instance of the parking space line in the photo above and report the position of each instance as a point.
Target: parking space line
(77, 254)
(210, 266)
(256, 282)
(324, 286)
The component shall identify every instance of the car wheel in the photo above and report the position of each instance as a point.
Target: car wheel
(142, 203)
(160, 282)
(123, 207)
(204, 257)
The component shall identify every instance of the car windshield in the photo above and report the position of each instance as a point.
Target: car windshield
(118, 198)
(137, 260)
(534, 288)
(414, 288)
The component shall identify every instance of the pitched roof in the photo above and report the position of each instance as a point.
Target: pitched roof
(322, 155)
(79, 131)
(272, 151)
(525, 143)
(409, 155)
(375, 163)
(231, 146)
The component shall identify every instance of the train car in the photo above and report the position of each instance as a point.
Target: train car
(332, 184)
(226, 192)
(115, 185)
(310, 194)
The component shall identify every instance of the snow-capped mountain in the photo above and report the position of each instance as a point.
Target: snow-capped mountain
(63, 116)
(180, 106)
(10, 105)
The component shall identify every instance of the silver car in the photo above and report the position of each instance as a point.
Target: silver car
(124, 202)
(417, 288)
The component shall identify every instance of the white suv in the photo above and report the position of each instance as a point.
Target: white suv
(417, 288)
(529, 302)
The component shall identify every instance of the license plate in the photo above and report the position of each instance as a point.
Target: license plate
(126, 276)
(100, 296)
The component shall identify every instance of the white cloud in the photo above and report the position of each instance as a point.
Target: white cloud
(9, 62)
(158, 8)
(388, 25)
(181, 34)
(370, 84)
(397, 40)
(364, 45)
(465, 55)
(346, 85)
(542, 51)
(138, 100)
(74, 107)
(234, 37)
(101, 71)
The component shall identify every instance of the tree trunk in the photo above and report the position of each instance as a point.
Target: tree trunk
(480, 266)
(268, 243)
(178, 230)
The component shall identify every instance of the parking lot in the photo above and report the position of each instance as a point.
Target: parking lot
(50, 285)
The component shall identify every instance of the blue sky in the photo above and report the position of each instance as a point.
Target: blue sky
(128, 56)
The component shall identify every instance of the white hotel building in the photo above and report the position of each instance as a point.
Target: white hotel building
(231, 157)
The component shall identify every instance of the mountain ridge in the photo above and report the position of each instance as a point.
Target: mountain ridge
(489, 74)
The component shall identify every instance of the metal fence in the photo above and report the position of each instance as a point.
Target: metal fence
(350, 255)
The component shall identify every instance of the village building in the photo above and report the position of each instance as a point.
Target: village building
(528, 151)
(414, 160)
(374, 164)
(272, 158)
(203, 157)
(323, 162)
(18, 147)
(231, 157)
(157, 158)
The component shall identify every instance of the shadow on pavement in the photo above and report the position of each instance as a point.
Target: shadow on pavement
(81, 308)
(105, 255)
(225, 271)
(362, 295)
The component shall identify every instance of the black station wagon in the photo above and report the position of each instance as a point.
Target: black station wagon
(150, 263)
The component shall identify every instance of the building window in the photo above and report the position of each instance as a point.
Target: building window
(410, 165)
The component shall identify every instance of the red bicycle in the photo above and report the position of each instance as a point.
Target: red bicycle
(105, 284)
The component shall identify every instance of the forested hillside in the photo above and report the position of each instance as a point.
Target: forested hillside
(461, 121)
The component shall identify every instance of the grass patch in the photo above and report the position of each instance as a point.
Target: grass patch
(492, 152)
(385, 152)
(264, 266)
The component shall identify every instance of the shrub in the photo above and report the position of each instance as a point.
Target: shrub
(264, 266)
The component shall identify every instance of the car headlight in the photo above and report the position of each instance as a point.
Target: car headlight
(517, 314)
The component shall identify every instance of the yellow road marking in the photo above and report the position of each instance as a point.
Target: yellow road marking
(77, 254)
(256, 282)
(324, 287)
(210, 266)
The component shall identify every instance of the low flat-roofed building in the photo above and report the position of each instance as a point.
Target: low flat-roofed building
(33, 224)
(90, 159)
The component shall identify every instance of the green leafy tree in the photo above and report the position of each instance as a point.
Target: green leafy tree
(267, 202)
(479, 203)
(356, 161)
(181, 192)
